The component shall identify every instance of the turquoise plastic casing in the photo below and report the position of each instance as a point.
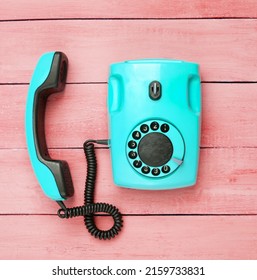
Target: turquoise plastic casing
(129, 106)
(42, 172)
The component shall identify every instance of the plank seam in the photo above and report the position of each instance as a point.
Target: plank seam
(106, 148)
(105, 83)
(142, 215)
(128, 19)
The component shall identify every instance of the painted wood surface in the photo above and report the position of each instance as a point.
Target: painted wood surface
(70, 116)
(225, 49)
(216, 219)
(11, 9)
(144, 238)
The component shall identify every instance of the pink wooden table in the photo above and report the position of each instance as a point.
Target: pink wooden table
(217, 218)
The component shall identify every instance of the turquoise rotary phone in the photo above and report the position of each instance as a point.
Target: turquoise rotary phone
(154, 115)
(154, 110)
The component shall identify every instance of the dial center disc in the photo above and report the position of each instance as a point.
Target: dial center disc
(155, 149)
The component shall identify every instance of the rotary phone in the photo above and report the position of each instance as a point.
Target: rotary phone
(154, 110)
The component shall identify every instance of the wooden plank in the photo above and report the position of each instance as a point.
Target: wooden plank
(227, 184)
(29, 9)
(229, 115)
(225, 49)
(47, 237)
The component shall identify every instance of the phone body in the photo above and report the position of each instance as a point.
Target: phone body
(154, 108)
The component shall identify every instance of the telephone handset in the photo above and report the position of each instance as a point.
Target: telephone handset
(154, 110)
(48, 78)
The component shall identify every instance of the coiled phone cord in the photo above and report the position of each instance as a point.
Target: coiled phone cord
(89, 208)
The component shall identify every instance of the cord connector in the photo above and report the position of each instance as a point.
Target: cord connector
(103, 142)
